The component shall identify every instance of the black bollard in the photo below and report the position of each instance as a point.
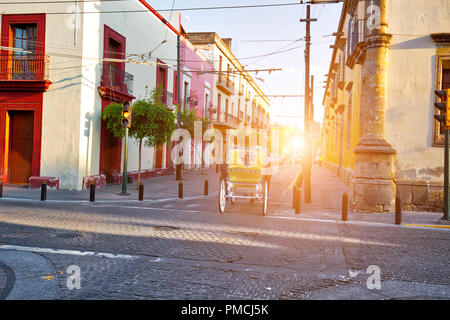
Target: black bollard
(141, 191)
(180, 189)
(293, 196)
(206, 187)
(398, 209)
(298, 200)
(1, 189)
(92, 192)
(44, 191)
(344, 207)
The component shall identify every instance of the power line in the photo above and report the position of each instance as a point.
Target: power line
(159, 10)
(61, 1)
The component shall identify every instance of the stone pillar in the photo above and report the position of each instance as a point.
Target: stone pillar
(373, 188)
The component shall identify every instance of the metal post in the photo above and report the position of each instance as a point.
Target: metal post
(141, 191)
(293, 196)
(206, 187)
(344, 207)
(92, 192)
(311, 101)
(307, 148)
(1, 189)
(124, 171)
(178, 175)
(398, 209)
(44, 191)
(446, 176)
(180, 189)
(298, 200)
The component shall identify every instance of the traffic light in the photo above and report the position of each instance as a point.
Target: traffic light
(126, 114)
(444, 107)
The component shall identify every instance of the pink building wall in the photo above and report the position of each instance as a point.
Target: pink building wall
(196, 62)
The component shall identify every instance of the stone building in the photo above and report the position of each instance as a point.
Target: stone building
(378, 132)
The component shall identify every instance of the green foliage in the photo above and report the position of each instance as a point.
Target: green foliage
(152, 121)
(188, 119)
(112, 114)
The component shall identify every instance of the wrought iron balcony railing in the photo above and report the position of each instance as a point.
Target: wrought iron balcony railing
(117, 79)
(24, 67)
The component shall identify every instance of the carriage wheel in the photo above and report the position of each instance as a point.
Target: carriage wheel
(222, 196)
(265, 197)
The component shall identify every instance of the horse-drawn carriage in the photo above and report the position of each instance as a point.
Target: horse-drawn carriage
(245, 176)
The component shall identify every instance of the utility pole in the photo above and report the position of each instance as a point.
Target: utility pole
(178, 166)
(308, 156)
(311, 110)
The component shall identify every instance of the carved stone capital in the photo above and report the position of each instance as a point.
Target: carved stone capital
(378, 40)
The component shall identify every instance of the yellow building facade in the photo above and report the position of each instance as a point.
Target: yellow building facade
(379, 134)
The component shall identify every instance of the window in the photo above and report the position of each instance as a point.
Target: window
(24, 37)
(24, 63)
(186, 95)
(219, 104)
(349, 119)
(205, 108)
(341, 70)
(226, 110)
(220, 68)
(442, 82)
(161, 83)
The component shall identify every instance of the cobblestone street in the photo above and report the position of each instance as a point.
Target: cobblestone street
(170, 248)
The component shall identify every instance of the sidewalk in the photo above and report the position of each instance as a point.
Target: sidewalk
(154, 188)
(326, 203)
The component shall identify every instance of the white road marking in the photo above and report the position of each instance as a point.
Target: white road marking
(69, 252)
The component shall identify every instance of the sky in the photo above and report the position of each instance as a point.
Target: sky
(283, 24)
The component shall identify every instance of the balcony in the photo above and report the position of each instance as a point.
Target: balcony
(241, 90)
(225, 85)
(355, 44)
(225, 120)
(28, 72)
(117, 79)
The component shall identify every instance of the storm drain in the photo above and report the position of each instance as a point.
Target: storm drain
(163, 228)
(67, 235)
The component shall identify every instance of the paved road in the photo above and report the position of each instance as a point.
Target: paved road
(169, 248)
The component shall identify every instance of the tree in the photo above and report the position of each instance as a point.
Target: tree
(188, 118)
(152, 124)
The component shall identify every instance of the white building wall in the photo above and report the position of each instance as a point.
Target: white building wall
(71, 140)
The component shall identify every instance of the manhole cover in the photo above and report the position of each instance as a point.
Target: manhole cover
(67, 235)
(163, 228)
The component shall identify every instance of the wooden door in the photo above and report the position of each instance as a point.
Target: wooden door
(21, 146)
(159, 157)
(112, 155)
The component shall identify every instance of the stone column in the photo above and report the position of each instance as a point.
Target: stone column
(373, 186)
